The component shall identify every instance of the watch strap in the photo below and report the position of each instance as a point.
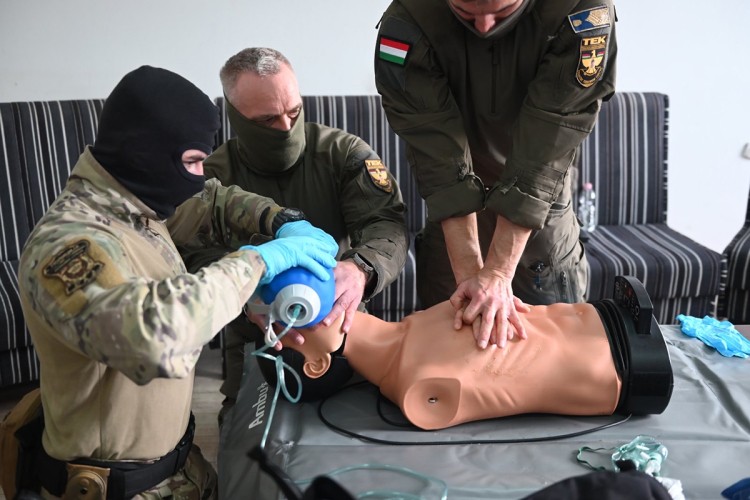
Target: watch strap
(363, 265)
(286, 215)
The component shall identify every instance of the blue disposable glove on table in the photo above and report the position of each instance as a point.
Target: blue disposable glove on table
(721, 335)
(298, 243)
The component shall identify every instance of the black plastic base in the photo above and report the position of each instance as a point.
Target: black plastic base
(638, 349)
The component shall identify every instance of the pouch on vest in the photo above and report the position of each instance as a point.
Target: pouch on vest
(20, 440)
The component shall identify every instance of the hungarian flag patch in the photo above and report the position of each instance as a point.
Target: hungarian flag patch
(393, 50)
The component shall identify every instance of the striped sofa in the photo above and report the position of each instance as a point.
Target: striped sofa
(41, 142)
(734, 296)
(625, 159)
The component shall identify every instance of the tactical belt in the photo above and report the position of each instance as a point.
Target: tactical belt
(126, 479)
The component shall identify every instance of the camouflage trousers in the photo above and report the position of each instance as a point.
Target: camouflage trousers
(196, 481)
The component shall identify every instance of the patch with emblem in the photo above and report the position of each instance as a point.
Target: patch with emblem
(591, 61)
(590, 19)
(392, 50)
(379, 175)
(74, 266)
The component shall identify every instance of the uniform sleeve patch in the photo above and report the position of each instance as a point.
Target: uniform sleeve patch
(68, 275)
(379, 175)
(74, 266)
(590, 19)
(593, 54)
(392, 50)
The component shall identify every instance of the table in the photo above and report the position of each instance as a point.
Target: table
(706, 428)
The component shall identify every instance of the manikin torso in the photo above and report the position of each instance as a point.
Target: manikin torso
(440, 378)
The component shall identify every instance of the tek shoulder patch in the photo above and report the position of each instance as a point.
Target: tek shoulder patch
(591, 61)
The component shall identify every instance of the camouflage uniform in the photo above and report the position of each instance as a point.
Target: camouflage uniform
(117, 322)
(343, 188)
(492, 126)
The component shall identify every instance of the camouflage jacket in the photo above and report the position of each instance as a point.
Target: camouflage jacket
(116, 320)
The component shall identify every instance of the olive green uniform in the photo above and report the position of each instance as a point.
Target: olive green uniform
(343, 188)
(492, 126)
(118, 323)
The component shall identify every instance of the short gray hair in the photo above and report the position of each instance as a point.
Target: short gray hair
(259, 60)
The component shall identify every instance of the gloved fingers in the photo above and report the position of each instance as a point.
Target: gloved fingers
(318, 265)
(303, 229)
(295, 228)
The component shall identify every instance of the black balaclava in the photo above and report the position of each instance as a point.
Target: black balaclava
(151, 118)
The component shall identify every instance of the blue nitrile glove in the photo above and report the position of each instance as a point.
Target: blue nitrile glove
(315, 236)
(720, 335)
(284, 253)
(738, 491)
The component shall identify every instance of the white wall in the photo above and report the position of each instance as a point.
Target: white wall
(72, 49)
(698, 54)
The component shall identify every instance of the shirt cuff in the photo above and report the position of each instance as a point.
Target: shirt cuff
(458, 200)
(518, 207)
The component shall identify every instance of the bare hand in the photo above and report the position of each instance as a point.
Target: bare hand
(486, 302)
(261, 320)
(350, 287)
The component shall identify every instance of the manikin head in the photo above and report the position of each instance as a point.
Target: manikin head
(319, 361)
(264, 108)
(320, 342)
(482, 17)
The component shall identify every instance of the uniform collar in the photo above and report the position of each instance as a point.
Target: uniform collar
(502, 28)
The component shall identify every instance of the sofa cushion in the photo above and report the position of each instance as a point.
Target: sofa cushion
(41, 142)
(734, 298)
(669, 264)
(18, 366)
(14, 215)
(18, 362)
(625, 159)
(52, 135)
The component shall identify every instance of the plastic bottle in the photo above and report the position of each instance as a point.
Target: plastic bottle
(298, 287)
(587, 207)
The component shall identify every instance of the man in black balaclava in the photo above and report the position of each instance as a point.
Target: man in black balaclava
(148, 121)
(334, 177)
(116, 320)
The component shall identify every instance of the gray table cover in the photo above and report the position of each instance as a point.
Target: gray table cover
(706, 429)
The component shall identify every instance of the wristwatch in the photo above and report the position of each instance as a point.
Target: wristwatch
(364, 266)
(286, 215)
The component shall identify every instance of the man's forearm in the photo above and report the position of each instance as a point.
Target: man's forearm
(508, 243)
(462, 241)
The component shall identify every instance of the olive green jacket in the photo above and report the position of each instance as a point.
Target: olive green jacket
(494, 123)
(333, 186)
